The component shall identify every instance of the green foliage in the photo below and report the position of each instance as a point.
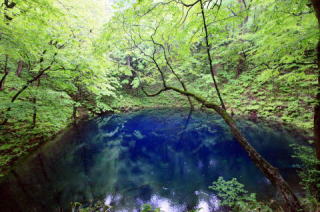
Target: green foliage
(263, 56)
(291, 103)
(96, 207)
(149, 208)
(267, 75)
(309, 170)
(55, 40)
(233, 194)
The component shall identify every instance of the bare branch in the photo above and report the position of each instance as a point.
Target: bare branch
(154, 7)
(187, 5)
(209, 55)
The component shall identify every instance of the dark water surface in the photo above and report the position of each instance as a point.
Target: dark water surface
(163, 157)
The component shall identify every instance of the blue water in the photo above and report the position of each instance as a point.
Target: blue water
(164, 157)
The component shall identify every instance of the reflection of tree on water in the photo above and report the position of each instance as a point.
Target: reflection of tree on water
(165, 157)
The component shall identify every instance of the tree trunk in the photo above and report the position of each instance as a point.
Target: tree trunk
(19, 68)
(34, 101)
(316, 126)
(34, 115)
(316, 6)
(273, 175)
(317, 109)
(241, 66)
(266, 168)
(74, 113)
(6, 72)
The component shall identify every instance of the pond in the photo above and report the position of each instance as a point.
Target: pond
(163, 157)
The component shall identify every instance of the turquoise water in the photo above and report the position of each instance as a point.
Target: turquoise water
(164, 157)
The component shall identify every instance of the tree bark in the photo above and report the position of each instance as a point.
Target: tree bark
(19, 68)
(34, 115)
(74, 113)
(266, 168)
(6, 72)
(317, 109)
(241, 66)
(316, 6)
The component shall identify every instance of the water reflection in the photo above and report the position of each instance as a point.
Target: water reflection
(166, 158)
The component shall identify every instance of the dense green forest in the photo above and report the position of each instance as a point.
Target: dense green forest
(66, 61)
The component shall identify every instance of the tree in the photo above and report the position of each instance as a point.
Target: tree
(316, 6)
(156, 30)
(49, 57)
